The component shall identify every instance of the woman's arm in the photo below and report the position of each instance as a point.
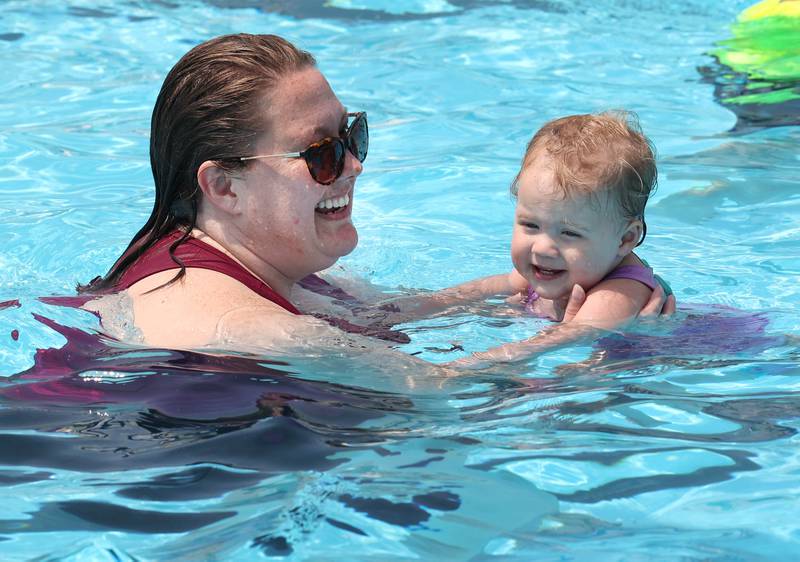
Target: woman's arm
(377, 305)
(266, 331)
(608, 306)
(423, 305)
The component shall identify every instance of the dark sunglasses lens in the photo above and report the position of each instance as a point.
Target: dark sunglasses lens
(358, 137)
(326, 161)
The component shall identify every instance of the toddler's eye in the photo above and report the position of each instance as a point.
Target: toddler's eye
(571, 234)
(529, 225)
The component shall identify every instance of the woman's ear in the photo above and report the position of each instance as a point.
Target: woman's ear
(215, 183)
(630, 237)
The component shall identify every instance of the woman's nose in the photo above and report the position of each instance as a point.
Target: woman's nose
(352, 166)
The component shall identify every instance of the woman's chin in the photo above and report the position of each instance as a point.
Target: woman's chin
(340, 243)
(347, 240)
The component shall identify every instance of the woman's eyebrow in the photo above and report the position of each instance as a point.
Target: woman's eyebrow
(322, 130)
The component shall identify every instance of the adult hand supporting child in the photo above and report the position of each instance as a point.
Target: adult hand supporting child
(568, 331)
(576, 299)
(660, 304)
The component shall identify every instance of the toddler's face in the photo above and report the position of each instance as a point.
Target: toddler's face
(559, 241)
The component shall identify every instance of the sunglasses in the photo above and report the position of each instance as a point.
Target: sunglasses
(325, 158)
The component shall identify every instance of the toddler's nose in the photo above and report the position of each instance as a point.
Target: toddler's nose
(545, 246)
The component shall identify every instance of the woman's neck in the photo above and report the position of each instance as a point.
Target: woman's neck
(227, 241)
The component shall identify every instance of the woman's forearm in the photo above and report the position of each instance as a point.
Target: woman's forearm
(546, 340)
(422, 305)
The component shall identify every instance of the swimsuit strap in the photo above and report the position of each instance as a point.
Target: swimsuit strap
(532, 296)
(195, 253)
(640, 273)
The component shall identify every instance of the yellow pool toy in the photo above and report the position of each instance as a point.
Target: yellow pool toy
(765, 47)
(769, 8)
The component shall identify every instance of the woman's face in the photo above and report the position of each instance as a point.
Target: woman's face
(290, 221)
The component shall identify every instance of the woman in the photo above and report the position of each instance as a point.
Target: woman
(255, 162)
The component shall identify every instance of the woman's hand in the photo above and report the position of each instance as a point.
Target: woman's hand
(564, 333)
(659, 304)
(576, 299)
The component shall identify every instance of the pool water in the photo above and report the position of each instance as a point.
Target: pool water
(665, 444)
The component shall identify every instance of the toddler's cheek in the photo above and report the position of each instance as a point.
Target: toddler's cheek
(520, 263)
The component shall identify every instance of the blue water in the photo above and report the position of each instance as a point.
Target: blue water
(685, 451)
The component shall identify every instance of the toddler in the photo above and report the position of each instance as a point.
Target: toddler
(581, 195)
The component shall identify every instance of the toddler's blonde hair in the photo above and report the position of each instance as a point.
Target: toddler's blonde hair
(592, 153)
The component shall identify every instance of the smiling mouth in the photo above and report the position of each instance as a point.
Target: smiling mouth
(545, 274)
(333, 205)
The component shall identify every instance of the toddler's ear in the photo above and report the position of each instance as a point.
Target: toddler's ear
(630, 237)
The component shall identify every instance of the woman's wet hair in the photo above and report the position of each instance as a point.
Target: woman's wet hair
(598, 153)
(210, 108)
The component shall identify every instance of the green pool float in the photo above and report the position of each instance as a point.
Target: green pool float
(759, 78)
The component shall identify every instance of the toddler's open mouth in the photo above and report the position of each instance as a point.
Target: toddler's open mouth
(545, 274)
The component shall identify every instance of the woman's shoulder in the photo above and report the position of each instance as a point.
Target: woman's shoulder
(262, 328)
(183, 314)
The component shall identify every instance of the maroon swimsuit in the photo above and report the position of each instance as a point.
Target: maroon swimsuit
(195, 253)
